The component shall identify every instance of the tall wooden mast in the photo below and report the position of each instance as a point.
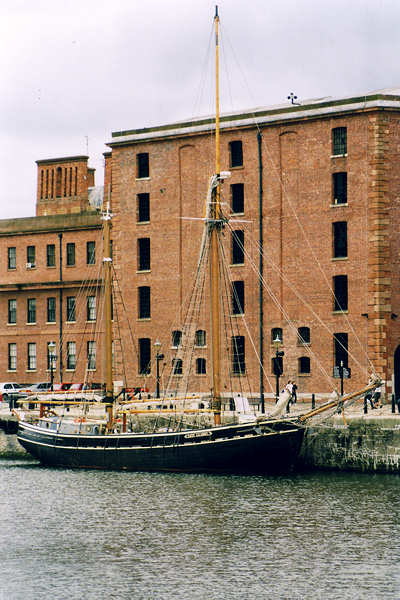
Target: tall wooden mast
(107, 260)
(214, 265)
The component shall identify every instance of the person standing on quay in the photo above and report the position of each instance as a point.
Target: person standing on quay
(294, 392)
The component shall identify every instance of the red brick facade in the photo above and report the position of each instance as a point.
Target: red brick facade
(301, 173)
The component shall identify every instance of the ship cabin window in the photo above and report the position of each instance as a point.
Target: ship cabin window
(339, 235)
(200, 338)
(238, 355)
(12, 311)
(177, 366)
(303, 335)
(71, 309)
(31, 356)
(339, 141)
(30, 257)
(176, 338)
(340, 291)
(51, 255)
(200, 366)
(91, 355)
(70, 254)
(143, 208)
(143, 254)
(144, 302)
(236, 153)
(276, 333)
(144, 356)
(237, 247)
(304, 365)
(237, 297)
(142, 165)
(339, 188)
(31, 310)
(51, 310)
(237, 198)
(12, 357)
(71, 356)
(340, 349)
(91, 308)
(90, 253)
(12, 257)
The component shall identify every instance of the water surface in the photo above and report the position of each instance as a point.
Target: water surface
(88, 534)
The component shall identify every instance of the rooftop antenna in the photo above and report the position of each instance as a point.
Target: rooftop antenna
(292, 99)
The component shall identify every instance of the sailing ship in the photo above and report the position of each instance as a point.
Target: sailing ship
(250, 445)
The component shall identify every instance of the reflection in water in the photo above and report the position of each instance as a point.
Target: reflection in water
(88, 534)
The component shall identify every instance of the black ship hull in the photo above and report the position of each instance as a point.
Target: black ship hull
(267, 447)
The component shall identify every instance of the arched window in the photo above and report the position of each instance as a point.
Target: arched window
(176, 338)
(304, 365)
(276, 333)
(303, 335)
(200, 338)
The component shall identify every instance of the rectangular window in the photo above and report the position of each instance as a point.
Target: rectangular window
(91, 308)
(200, 366)
(143, 249)
(142, 165)
(90, 253)
(144, 356)
(303, 335)
(12, 357)
(143, 208)
(339, 188)
(51, 255)
(340, 301)
(237, 297)
(71, 308)
(91, 355)
(339, 141)
(339, 234)
(12, 311)
(30, 257)
(176, 338)
(144, 302)
(340, 349)
(31, 356)
(12, 257)
(304, 365)
(236, 153)
(238, 355)
(237, 247)
(70, 254)
(71, 355)
(31, 310)
(237, 198)
(177, 366)
(51, 310)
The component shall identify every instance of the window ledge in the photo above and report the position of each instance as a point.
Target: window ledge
(142, 222)
(237, 264)
(237, 168)
(144, 271)
(50, 266)
(91, 369)
(338, 258)
(338, 204)
(11, 268)
(51, 322)
(69, 370)
(200, 374)
(304, 374)
(144, 319)
(302, 344)
(11, 324)
(238, 214)
(31, 323)
(69, 266)
(340, 312)
(90, 320)
(237, 315)
(200, 346)
(31, 371)
(11, 371)
(142, 178)
(339, 155)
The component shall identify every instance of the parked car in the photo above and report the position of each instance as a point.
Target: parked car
(8, 389)
(40, 387)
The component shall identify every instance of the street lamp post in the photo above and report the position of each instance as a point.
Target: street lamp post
(52, 359)
(278, 364)
(157, 345)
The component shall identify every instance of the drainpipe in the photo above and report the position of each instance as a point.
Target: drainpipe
(261, 269)
(60, 308)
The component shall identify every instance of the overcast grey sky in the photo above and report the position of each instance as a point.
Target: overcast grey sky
(73, 71)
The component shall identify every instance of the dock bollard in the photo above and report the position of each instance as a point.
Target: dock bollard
(393, 404)
(312, 401)
(365, 406)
